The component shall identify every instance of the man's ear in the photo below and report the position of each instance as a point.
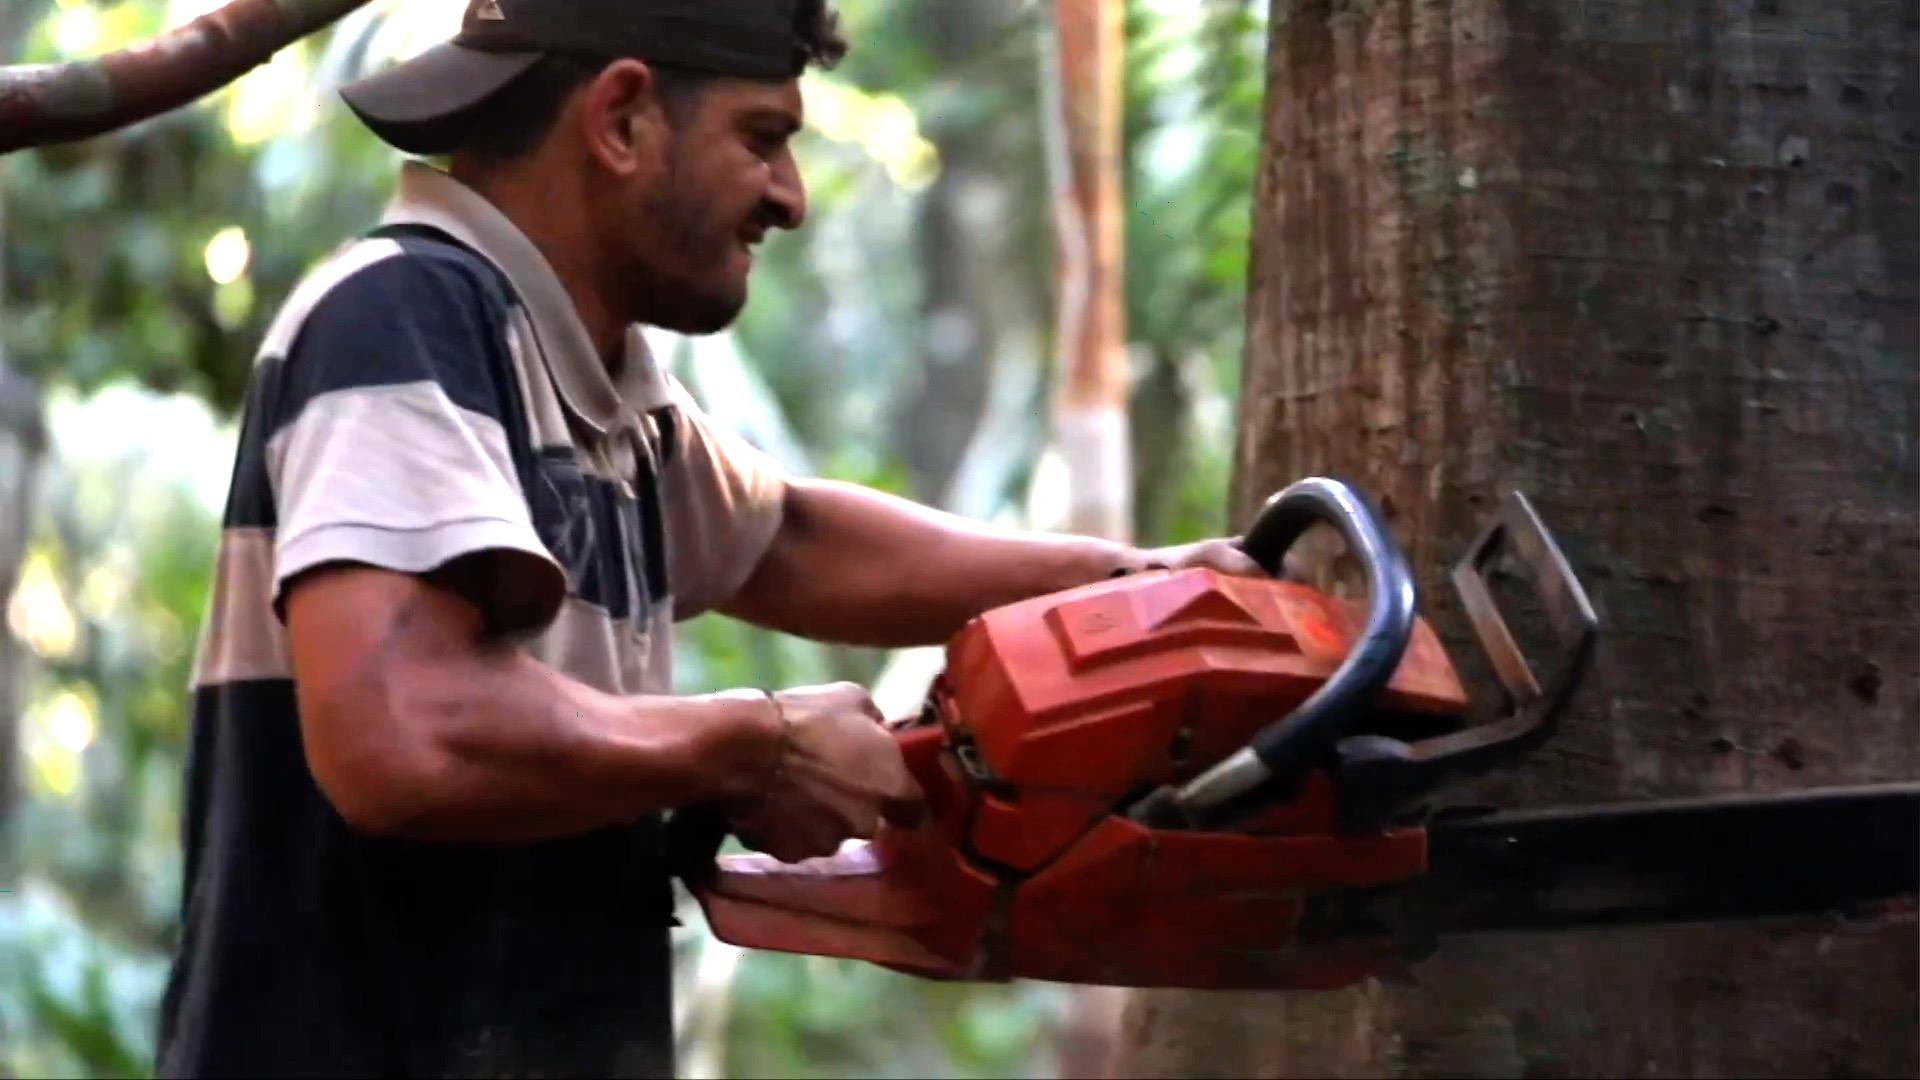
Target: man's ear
(622, 118)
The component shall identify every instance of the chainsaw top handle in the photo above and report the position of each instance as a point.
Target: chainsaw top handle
(1283, 753)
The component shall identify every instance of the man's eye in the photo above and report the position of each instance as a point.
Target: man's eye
(767, 145)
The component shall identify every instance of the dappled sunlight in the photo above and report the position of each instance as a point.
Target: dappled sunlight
(410, 27)
(76, 29)
(83, 28)
(112, 435)
(227, 255)
(104, 591)
(38, 613)
(273, 100)
(883, 125)
(54, 736)
(228, 258)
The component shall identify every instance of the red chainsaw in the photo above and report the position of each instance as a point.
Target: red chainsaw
(1182, 778)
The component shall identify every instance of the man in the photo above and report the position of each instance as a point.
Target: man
(433, 730)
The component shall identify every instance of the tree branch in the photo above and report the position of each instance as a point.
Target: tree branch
(41, 104)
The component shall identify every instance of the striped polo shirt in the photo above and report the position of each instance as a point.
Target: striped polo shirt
(429, 392)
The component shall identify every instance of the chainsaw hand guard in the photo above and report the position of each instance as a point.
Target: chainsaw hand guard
(1380, 776)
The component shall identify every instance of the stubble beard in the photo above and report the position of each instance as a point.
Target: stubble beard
(696, 296)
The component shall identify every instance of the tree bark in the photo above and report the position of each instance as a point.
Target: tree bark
(1658, 266)
(45, 104)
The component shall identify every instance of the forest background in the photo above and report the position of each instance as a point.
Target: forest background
(905, 339)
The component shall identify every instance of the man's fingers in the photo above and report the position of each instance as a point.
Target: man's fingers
(1226, 557)
(905, 811)
(846, 776)
(1297, 567)
(1231, 560)
(864, 702)
(1223, 556)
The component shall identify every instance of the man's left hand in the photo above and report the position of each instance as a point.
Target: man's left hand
(1222, 555)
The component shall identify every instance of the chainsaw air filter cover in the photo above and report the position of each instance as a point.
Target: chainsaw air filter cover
(1091, 697)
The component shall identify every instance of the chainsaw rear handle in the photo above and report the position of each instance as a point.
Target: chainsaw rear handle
(1283, 753)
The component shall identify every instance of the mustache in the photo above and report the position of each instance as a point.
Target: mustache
(766, 218)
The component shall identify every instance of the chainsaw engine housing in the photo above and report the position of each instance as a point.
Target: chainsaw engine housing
(1053, 717)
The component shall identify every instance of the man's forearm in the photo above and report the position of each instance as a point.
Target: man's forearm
(527, 754)
(860, 567)
(414, 729)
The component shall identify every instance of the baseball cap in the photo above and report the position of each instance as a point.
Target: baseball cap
(425, 104)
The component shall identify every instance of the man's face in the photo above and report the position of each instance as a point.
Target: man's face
(725, 179)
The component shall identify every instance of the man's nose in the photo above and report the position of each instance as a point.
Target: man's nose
(787, 195)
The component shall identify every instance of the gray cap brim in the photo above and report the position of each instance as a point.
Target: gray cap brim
(429, 103)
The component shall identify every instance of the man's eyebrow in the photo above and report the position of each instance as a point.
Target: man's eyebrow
(786, 121)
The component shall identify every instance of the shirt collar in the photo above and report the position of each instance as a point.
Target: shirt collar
(428, 196)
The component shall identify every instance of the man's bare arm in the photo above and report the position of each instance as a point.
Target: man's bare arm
(414, 725)
(861, 567)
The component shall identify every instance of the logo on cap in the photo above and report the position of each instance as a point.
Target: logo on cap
(490, 12)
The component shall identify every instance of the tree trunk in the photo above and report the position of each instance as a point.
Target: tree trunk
(1658, 266)
(1090, 411)
(1090, 428)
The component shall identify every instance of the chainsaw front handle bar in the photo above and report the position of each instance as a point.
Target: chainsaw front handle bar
(1283, 753)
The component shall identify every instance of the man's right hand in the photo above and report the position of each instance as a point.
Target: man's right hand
(839, 776)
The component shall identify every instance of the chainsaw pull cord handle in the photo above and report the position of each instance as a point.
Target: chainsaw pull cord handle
(1282, 754)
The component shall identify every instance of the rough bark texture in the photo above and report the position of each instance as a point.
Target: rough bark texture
(1657, 265)
(45, 104)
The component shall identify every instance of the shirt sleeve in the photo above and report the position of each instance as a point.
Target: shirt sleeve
(389, 443)
(725, 500)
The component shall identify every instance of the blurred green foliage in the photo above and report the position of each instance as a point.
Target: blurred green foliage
(140, 329)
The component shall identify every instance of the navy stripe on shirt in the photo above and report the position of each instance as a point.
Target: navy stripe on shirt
(440, 313)
(416, 317)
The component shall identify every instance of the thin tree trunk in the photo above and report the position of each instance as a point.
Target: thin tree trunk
(1657, 265)
(1090, 411)
(45, 104)
(1090, 405)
